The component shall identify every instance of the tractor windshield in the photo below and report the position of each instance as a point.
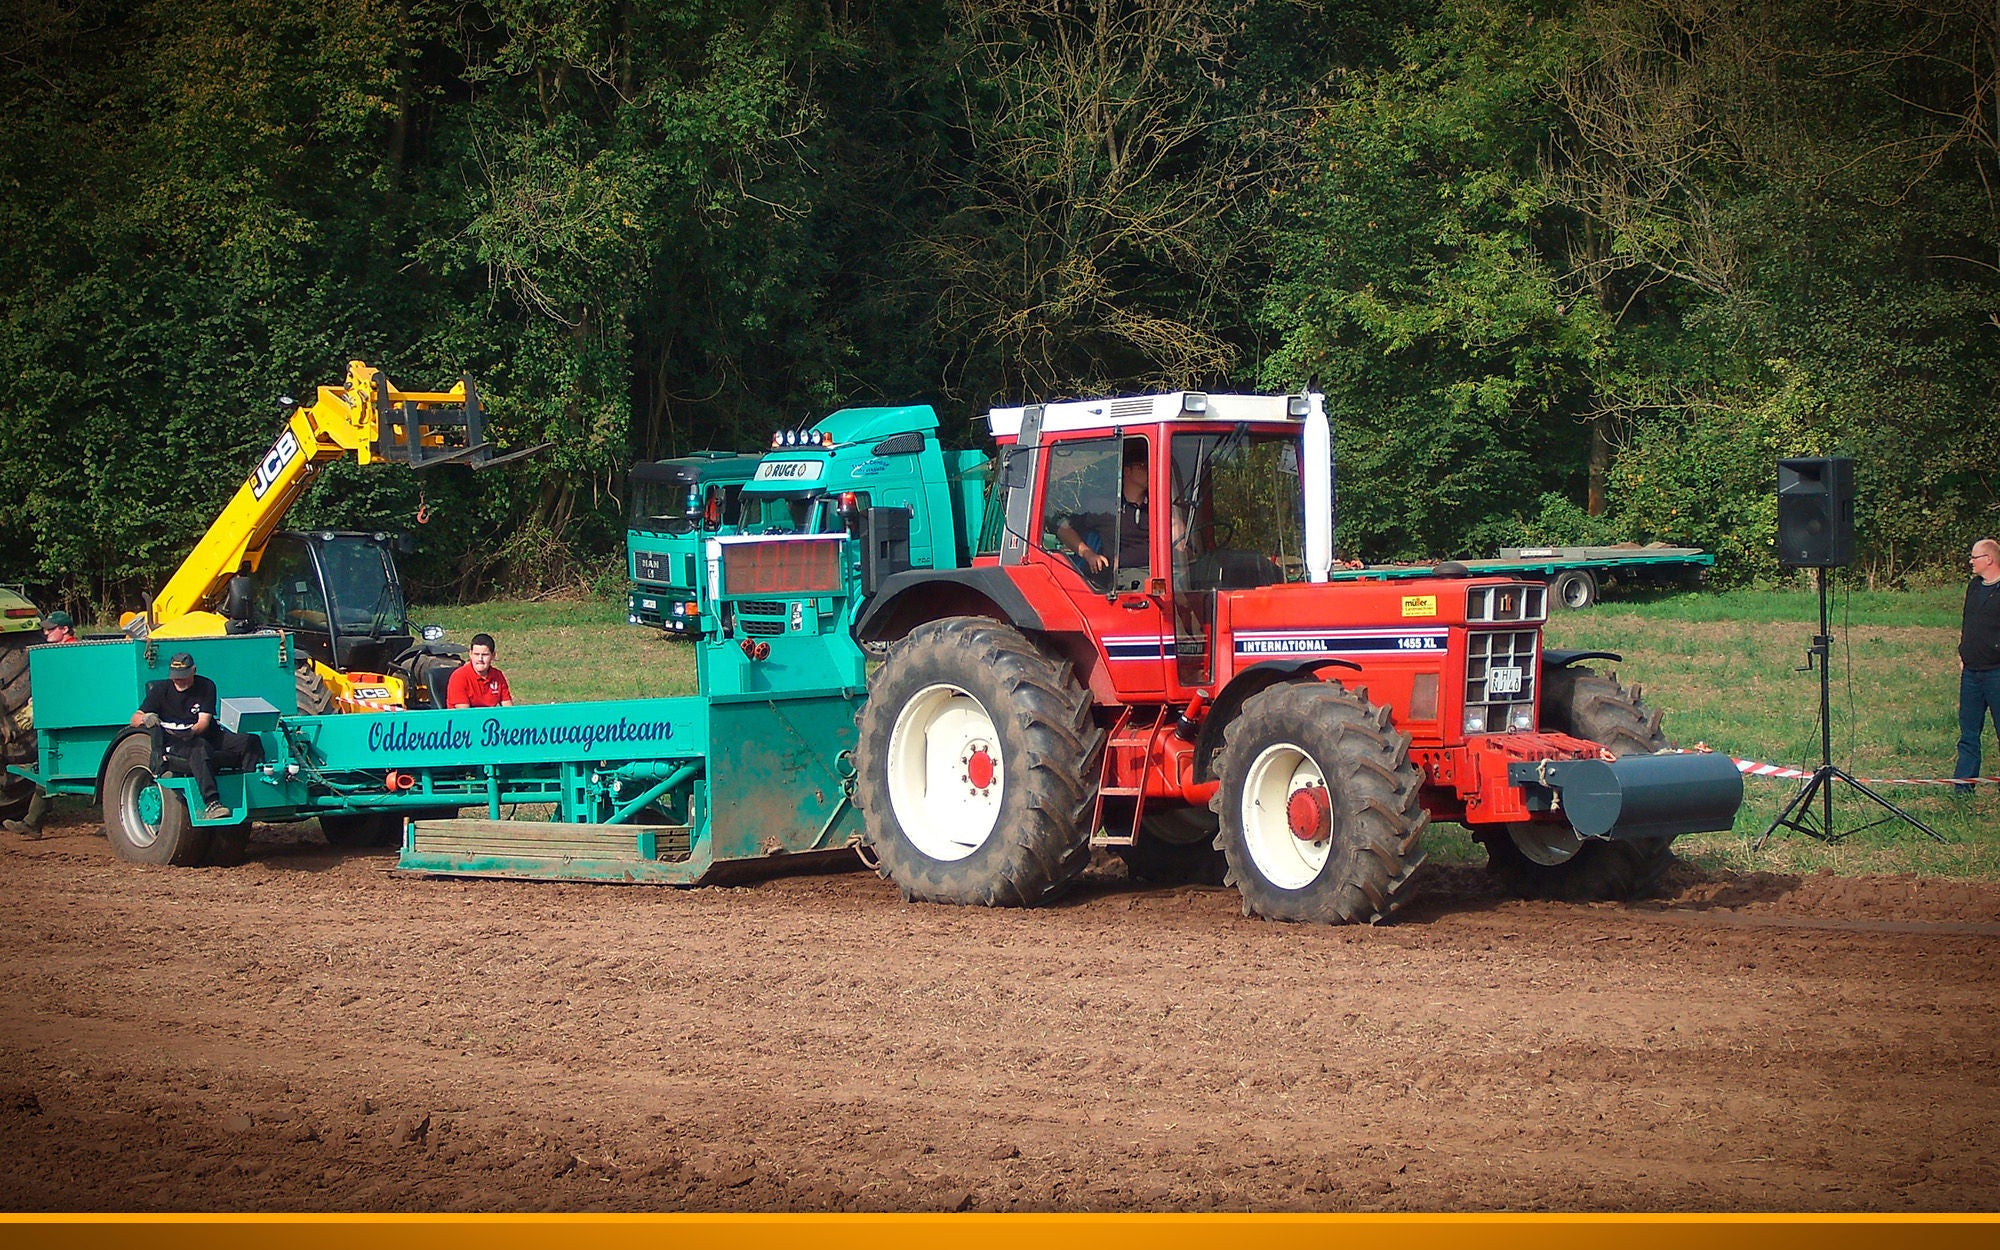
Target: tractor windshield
(1239, 497)
(361, 584)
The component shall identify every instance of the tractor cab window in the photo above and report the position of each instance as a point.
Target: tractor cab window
(1240, 497)
(1095, 513)
(288, 589)
(361, 581)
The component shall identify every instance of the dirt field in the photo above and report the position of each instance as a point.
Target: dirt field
(311, 1031)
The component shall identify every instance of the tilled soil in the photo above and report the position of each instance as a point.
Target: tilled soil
(311, 1031)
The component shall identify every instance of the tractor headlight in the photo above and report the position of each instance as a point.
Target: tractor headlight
(1194, 401)
(1475, 719)
(1522, 717)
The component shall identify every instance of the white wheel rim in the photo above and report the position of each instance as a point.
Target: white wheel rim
(1282, 857)
(1547, 845)
(942, 744)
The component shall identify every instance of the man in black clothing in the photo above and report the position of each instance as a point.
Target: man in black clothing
(1979, 653)
(1085, 534)
(181, 714)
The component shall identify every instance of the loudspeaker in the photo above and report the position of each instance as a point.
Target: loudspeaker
(1816, 513)
(885, 546)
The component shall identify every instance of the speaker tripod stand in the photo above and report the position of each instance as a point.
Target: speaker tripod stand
(1798, 814)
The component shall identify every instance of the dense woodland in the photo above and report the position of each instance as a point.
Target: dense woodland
(1566, 270)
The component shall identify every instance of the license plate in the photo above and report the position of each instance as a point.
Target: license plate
(1503, 680)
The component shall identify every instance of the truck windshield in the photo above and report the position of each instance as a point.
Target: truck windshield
(660, 508)
(1238, 494)
(785, 514)
(361, 582)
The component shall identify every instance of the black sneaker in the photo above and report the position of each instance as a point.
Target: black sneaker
(215, 811)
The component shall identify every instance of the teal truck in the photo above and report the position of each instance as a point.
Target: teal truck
(928, 502)
(755, 768)
(674, 503)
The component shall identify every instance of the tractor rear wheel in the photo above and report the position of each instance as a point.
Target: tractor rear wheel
(362, 829)
(1320, 819)
(1175, 846)
(17, 739)
(314, 697)
(145, 822)
(978, 763)
(1549, 861)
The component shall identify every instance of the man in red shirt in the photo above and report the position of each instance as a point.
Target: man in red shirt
(476, 683)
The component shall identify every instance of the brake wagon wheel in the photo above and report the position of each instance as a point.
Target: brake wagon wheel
(144, 822)
(1548, 860)
(1320, 818)
(977, 765)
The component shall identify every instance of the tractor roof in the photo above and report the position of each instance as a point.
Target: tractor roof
(1102, 414)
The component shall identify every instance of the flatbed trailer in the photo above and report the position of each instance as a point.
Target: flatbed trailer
(1575, 575)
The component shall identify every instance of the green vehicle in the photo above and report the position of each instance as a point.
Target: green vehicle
(928, 501)
(20, 628)
(674, 503)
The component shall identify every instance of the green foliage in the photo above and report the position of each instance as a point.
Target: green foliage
(1567, 269)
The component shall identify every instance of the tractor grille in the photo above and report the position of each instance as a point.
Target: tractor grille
(762, 607)
(1500, 649)
(760, 629)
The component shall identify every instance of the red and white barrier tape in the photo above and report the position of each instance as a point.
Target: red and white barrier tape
(1755, 768)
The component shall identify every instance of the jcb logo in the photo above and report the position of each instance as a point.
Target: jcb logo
(282, 453)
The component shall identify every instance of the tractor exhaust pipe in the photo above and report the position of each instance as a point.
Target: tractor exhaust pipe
(1638, 796)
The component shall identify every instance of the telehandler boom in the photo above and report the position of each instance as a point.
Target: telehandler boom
(338, 592)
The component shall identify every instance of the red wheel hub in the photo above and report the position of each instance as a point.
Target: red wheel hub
(1310, 813)
(979, 769)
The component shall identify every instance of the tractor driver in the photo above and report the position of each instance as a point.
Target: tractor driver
(181, 714)
(1077, 531)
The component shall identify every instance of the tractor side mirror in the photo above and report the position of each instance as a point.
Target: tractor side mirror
(406, 543)
(237, 599)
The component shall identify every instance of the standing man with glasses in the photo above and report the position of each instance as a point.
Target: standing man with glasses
(1979, 654)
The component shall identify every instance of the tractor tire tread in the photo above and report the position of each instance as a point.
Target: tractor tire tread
(1374, 786)
(1052, 749)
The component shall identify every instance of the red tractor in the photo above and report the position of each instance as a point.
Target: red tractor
(1182, 684)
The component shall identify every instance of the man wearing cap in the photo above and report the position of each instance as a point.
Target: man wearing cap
(181, 711)
(57, 626)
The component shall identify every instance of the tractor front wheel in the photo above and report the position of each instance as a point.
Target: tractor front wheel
(1320, 819)
(1548, 861)
(977, 764)
(145, 822)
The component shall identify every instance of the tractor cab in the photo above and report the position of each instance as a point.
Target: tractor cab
(1143, 510)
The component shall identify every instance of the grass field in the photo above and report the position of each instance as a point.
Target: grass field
(1722, 666)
